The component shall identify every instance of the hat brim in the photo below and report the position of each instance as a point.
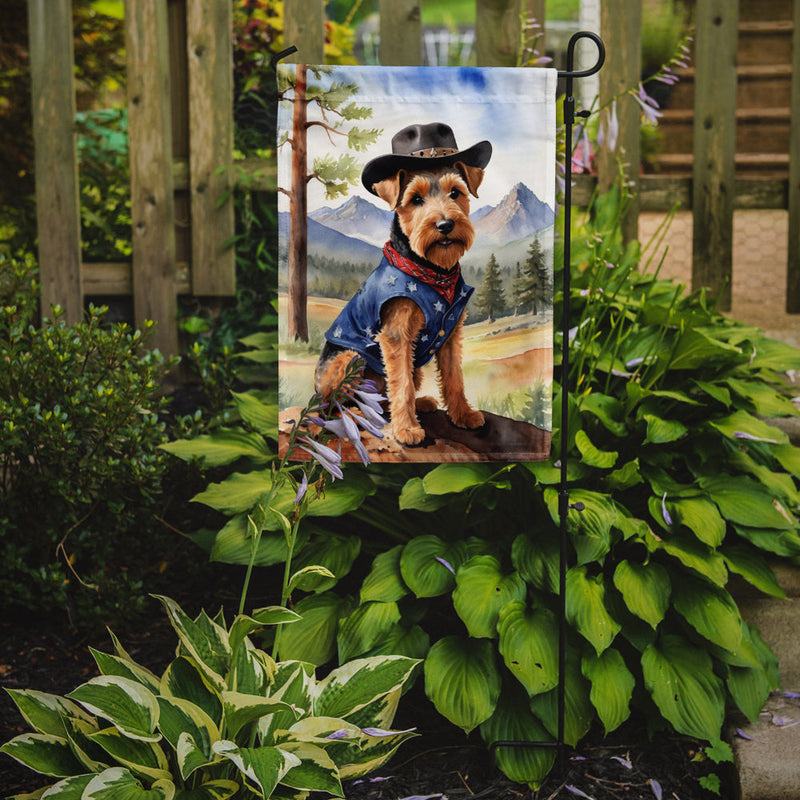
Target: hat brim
(385, 166)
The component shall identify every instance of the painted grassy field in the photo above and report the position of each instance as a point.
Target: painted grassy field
(507, 363)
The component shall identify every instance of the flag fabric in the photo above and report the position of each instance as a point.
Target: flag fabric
(428, 191)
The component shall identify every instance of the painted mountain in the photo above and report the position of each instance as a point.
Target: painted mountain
(357, 218)
(519, 214)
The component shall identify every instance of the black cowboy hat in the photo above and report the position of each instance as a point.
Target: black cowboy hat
(432, 145)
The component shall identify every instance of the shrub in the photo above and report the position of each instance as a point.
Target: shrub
(79, 430)
(222, 717)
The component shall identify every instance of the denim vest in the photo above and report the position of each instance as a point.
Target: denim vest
(360, 320)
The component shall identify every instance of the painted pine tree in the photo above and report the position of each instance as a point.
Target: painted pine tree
(535, 288)
(332, 111)
(490, 299)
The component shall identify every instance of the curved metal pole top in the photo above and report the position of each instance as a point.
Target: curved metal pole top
(584, 73)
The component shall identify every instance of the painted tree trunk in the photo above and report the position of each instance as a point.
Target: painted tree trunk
(298, 212)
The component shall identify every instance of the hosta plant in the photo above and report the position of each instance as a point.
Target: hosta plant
(224, 720)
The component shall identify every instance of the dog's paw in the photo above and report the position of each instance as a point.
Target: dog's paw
(426, 404)
(469, 419)
(409, 435)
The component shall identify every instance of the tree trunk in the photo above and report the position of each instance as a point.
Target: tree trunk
(297, 316)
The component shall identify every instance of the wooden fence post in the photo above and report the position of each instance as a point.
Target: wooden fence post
(56, 161)
(152, 200)
(498, 29)
(714, 190)
(304, 27)
(621, 28)
(793, 266)
(210, 56)
(401, 33)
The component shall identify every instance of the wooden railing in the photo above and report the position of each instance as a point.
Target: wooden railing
(181, 133)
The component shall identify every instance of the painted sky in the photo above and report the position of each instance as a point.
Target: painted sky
(513, 108)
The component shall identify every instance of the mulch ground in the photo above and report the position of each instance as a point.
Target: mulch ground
(44, 654)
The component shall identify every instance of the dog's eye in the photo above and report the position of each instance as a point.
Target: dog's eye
(417, 200)
(455, 194)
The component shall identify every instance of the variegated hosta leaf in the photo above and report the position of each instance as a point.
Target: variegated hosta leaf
(612, 687)
(244, 625)
(262, 766)
(586, 608)
(242, 709)
(78, 733)
(373, 753)
(145, 759)
(646, 589)
(45, 712)
(68, 789)
(513, 721)
(126, 704)
(316, 771)
(183, 679)
(179, 718)
(125, 668)
(462, 680)
(385, 581)
(252, 670)
(294, 685)
(212, 790)
(683, 685)
(117, 783)
(529, 645)
(44, 753)
(358, 683)
(204, 641)
(481, 591)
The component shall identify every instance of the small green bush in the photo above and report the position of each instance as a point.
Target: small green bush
(79, 430)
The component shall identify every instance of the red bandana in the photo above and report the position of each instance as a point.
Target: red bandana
(442, 282)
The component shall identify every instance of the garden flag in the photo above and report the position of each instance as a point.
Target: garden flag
(416, 214)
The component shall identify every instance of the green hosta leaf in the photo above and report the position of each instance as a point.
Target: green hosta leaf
(127, 705)
(261, 416)
(753, 567)
(788, 455)
(44, 753)
(125, 668)
(709, 610)
(223, 446)
(608, 410)
(774, 355)
(695, 349)
(263, 766)
(313, 638)
(365, 627)
(529, 645)
(683, 685)
(740, 422)
(242, 709)
(243, 625)
(627, 476)
(745, 502)
(145, 759)
(749, 688)
(414, 497)
(183, 680)
(385, 582)
(578, 710)
(481, 591)
(782, 543)
(399, 640)
(311, 578)
(663, 431)
(591, 455)
(717, 392)
(596, 519)
(428, 565)
(233, 544)
(701, 517)
(612, 687)
(586, 608)
(45, 712)
(537, 561)
(316, 772)
(355, 685)
(118, 784)
(335, 553)
(237, 493)
(693, 554)
(454, 478)
(512, 721)
(462, 680)
(212, 790)
(646, 589)
(767, 402)
(207, 643)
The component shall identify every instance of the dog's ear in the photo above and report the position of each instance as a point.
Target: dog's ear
(391, 189)
(472, 175)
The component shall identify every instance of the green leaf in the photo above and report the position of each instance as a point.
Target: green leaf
(334, 553)
(316, 772)
(422, 567)
(212, 790)
(745, 502)
(586, 608)
(782, 543)
(313, 638)
(67, 789)
(413, 497)
(740, 422)
(709, 609)
(234, 545)
(145, 759)
(683, 685)
(608, 410)
(118, 784)
(481, 591)
(264, 766)
(612, 687)
(454, 478)
(753, 567)
(126, 704)
(365, 628)
(223, 446)
(125, 668)
(237, 493)
(591, 456)
(701, 517)
(45, 712)
(179, 717)
(241, 709)
(261, 416)
(462, 680)
(537, 561)
(512, 721)
(663, 431)
(691, 553)
(44, 753)
(385, 581)
(529, 645)
(645, 588)
(766, 401)
(696, 349)
(627, 476)
(243, 625)
(182, 679)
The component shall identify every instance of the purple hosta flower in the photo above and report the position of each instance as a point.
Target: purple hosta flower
(577, 792)
(655, 787)
(380, 732)
(376, 779)
(425, 797)
(791, 695)
(649, 106)
(328, 459)
(369, 398)
(582, 154)
(634, 362)
(624, 761)
(447, 564)
(742, 735)
(369, 419)
(301, 489)
(751, 437)
(664, 512)
(342, 733)
(608, 132)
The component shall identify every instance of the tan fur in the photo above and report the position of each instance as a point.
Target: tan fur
(421, 199)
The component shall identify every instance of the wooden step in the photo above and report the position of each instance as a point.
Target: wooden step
(754, 10)
(767, 165)
(765, 42)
